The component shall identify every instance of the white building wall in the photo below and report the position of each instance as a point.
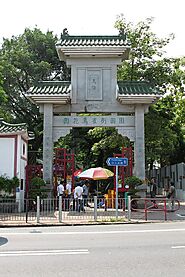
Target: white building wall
(18, 173)
(23, 160)
(7, 152)
(7, 157)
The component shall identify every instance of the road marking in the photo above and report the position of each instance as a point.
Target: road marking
(178, 247)
(94, 232)
(44, 252)
(181, 215)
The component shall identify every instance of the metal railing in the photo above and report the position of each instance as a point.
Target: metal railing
(17, 210)
(69, 210)
(86, 210)
(61, 210)
(159, 207)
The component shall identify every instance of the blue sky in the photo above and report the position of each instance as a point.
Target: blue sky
(94, 17)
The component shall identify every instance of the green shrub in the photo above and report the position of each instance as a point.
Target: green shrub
(133, 182)
(37, 188)
(7, 184)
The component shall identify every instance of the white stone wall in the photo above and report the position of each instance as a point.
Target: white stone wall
(22, 157)
(94, 86)
(7, 152)
(7, 157)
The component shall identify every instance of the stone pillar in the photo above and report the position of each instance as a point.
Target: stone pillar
(139, 146)
(48, 145)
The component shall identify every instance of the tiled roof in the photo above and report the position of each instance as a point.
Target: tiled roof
(136, 88)
(50, 88)
(12, 128)
(59, 92)
(92, 41)
(56, 92)
(137, 92)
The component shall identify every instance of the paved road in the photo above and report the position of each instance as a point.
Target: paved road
(117, 250)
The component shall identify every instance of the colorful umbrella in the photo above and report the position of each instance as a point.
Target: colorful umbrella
(96, 173)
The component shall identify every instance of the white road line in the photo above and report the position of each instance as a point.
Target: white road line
(44, 252)
(94, 233)
(178, 247)
(180, 215)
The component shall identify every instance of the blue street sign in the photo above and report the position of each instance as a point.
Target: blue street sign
(117, 161)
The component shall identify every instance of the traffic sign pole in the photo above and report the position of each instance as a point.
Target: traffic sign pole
(114, 161)
(116, 192)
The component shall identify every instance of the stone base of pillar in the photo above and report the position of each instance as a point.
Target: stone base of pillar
(49, 190)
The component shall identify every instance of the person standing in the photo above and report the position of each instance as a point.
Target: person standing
(68, 188)
(60, 191)
(171, 196)
(78, 196)
(153, 191)
(85, 193)
(68, 194)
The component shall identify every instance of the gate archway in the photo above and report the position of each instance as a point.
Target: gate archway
(93, 89)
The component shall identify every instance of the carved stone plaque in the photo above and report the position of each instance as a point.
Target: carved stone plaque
(94, 85)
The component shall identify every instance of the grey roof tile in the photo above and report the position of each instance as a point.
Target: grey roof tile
(12, 128)
(96, 41)
(137, 88)
(50, 88)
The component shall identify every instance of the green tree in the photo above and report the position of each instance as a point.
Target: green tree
(80, 143)
(24, 60)
(106, 141)
(164, 123)
(161, 140)
(2, 95)
(146, 49)
(93, 146)
(37, 188)
(8, 185)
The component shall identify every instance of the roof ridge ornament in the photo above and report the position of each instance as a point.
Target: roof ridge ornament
(9, 128)
(14, 125)
(64, 33)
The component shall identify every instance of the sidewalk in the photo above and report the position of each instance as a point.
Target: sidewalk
(155, 215)
(102, 216)
(136, 218)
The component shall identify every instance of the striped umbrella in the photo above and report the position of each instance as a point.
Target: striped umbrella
(96, 173)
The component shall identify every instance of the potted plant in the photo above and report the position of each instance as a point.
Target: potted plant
(132, 183)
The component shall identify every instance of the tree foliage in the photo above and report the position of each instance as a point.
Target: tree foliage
(164, 124)
(8, 185)
(31, 57)
(146, 47)
(93, 146)
(24, 60)
(37, 188)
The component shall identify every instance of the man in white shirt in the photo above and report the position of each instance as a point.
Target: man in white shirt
(60, 192)
(78, 192)
(60, 189)
(68, 194)
(68, 188)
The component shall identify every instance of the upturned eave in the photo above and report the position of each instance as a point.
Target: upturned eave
(65, 53)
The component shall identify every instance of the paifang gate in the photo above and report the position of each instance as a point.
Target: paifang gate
(93, 90)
